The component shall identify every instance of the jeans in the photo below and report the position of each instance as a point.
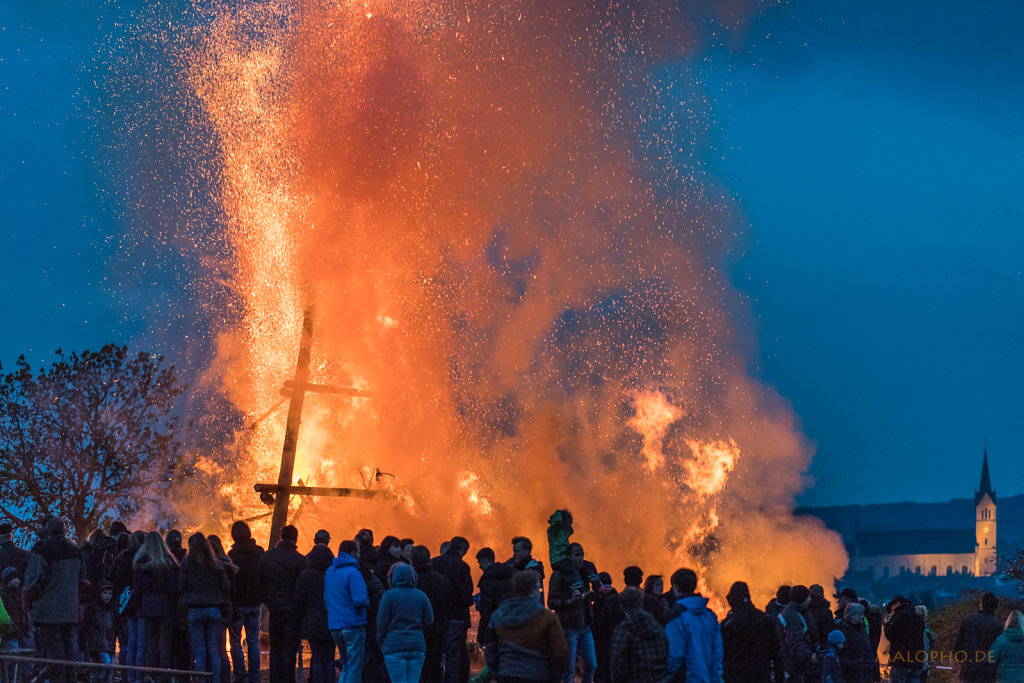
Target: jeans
(904, 675)
(350, 642)
(203, 626)
(580, 642)
(404, 667)
(284, 645)
(455, 653)
(129, 649)
(246, 662)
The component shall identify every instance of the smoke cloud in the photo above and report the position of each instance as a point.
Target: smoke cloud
(499, 214)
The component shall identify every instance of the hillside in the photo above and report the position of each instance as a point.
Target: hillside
(953, 514)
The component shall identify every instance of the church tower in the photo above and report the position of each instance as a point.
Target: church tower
(985, 523)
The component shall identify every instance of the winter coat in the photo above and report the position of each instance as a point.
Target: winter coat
(404, 614)
(820, 613)
(572, 611)
(5, 621)
(795, 649)
(246, 590)
(51, 581)
(905, 631)
(345, 595)
(694, 641)
(1007, 654)
(495, 585)
(831, 668)
(13, 556)
(438, 591)
(748, 645)
(155, 588)
(99, 558)
(310, 610)
(200, 587)
(976, 634)
(857, 657)
(526, 641)
(639, 649)
(457, 572)
(99, 628)
(278, 570)
(14, 602)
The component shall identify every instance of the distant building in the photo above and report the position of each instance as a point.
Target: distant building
(931, 552)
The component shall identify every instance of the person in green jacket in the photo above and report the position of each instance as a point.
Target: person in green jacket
(5, 621)
(1007, 653)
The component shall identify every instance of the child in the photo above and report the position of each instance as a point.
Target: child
(99, 630)
(10, 591)
(831, 669)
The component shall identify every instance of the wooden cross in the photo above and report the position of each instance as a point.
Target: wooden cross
(295, 390)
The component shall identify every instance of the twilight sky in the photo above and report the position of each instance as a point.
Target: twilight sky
(876, 149)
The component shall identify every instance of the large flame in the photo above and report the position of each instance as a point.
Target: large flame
(498, 213)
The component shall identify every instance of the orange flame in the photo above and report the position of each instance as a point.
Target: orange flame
(459, 188)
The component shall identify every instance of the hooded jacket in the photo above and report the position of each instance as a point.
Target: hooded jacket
(1007, 654)
(694, 640)
(858, 658)
(526, 641)
(51, 581)
(345, 595)
(404, 614)
(639, 649)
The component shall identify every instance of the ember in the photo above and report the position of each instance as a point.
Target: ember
(496, 211)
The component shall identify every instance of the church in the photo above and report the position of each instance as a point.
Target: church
(934, 552)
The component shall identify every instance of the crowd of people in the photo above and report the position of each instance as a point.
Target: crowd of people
(392, 612)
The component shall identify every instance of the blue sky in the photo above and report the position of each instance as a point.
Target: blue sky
(875, 148)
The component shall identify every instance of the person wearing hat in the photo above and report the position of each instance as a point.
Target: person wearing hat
(18, 635)
(828, 655)
(99, 631)
(279, 569)
(10, 554)
(792, 630)
(859, 659)
(844, 598)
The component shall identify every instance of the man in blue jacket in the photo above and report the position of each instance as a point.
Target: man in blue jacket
(694, 637)
(346, 599)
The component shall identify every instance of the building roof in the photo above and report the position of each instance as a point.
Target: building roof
(925, 542)
(985, 486)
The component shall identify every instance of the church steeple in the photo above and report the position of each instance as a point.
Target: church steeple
(986, 483)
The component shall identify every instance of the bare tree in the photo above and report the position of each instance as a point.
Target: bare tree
(91, 437)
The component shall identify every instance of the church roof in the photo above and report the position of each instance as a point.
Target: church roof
(985, 486)
(924, 542)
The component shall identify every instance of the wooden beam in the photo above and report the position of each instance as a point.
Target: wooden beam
(316, 491)
(291, 432)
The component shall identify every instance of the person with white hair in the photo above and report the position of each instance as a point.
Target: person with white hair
(1007, 652)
